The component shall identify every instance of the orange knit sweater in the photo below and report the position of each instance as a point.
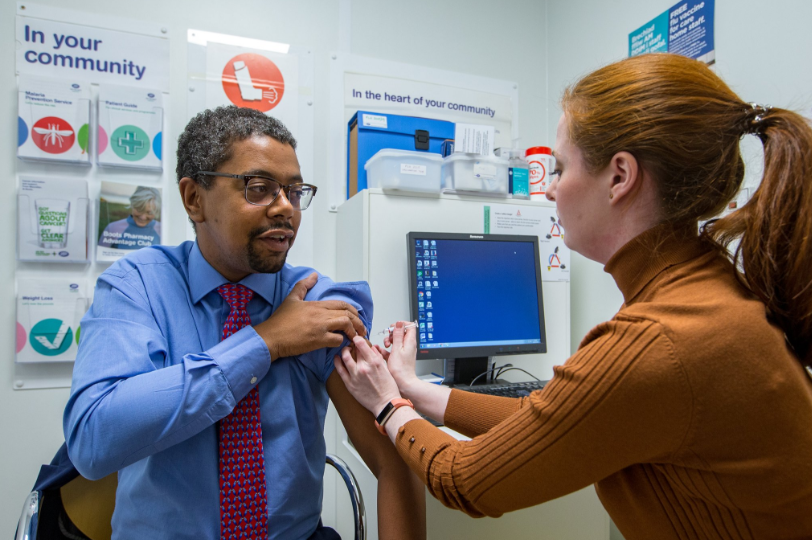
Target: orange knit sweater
(686, 410)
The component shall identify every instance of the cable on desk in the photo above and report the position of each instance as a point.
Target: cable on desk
(500, 368)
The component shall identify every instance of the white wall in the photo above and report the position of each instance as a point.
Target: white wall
(479, 37)
(763, 51)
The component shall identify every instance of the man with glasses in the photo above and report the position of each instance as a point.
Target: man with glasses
(204, 370)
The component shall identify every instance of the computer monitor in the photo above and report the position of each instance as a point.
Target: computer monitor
(475, 296)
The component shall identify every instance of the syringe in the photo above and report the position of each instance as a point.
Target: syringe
(388, 331)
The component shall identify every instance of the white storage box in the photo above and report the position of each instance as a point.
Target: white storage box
(405, 170)
(473, 172)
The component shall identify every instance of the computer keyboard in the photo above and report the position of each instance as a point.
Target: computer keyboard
(505, 389)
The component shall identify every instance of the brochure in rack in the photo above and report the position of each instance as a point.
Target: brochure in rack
(54, 119)
(52, 216)
(129, 219)
(49, 312)
(130, 130)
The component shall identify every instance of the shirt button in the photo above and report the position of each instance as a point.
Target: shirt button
(411, 440)
(253, 380)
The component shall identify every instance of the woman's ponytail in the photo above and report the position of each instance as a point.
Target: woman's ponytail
(774, 255)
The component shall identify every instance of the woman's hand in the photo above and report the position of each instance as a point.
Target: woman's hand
(401, 361)
(366, 376)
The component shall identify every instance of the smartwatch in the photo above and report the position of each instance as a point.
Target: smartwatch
(388, 410)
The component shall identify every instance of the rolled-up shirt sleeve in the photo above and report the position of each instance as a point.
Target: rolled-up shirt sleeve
(126, 403)
(356, 294)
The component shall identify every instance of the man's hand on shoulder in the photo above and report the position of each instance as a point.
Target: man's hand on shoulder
(298, 326)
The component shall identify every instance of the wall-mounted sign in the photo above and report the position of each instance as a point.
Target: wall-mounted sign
(686, 28)
(398, 95)
(538, 221)
(261, 80)
(96, 55)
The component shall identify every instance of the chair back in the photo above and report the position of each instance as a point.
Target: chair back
(90, 504)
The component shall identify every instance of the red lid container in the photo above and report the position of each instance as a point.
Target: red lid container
(538, 150)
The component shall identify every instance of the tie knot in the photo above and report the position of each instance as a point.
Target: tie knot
(237, 296)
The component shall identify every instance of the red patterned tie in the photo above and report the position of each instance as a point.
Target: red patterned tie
(243, 497)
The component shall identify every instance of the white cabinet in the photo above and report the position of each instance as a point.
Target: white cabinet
(371, 246)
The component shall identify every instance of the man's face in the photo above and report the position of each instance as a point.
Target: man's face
(239, 238)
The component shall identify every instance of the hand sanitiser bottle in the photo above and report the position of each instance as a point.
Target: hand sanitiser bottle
(518, 175)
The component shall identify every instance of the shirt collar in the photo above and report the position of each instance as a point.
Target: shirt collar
(644, 257)
(203, 279)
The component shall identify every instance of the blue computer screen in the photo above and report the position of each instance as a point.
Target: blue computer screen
(476, 293)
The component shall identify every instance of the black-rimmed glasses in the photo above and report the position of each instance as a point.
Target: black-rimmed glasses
(263, 191)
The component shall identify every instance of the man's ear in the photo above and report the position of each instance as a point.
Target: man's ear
(190, 194)
(626, 177)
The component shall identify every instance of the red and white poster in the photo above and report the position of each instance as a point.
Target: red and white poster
(261, 80)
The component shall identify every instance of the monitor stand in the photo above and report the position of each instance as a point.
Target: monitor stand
(465, 370)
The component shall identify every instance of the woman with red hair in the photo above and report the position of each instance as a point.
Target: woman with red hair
(691, 409)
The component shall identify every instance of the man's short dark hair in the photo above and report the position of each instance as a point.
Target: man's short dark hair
(207, 141)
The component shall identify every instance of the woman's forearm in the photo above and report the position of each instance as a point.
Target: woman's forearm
(428, 398)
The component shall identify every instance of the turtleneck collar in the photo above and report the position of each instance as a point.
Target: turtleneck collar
(647, 255)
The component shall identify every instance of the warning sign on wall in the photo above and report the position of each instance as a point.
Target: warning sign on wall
(261, 80)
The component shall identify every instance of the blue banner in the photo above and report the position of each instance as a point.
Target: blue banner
(686, 28)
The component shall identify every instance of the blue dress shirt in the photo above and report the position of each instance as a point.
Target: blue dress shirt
(152, 378)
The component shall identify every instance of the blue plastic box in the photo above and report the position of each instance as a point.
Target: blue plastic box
(368, 132)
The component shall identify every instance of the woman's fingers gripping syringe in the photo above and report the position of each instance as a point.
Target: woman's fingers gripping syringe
(401, 361)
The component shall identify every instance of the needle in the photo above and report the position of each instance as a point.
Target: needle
(391, 329)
